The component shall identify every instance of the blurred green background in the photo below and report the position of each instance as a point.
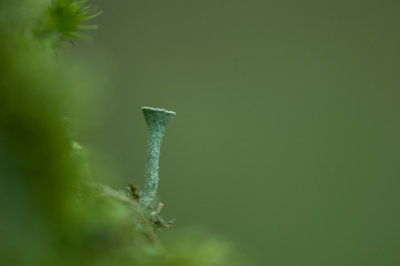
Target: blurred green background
(286, 139)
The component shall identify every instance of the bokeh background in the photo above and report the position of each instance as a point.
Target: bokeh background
(286, 139)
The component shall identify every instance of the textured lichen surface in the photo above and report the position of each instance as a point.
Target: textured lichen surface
(52, 210)
(157, 120)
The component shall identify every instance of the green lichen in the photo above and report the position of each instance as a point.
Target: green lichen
(157, 120)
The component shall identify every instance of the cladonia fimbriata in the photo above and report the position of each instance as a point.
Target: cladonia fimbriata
(157, 120)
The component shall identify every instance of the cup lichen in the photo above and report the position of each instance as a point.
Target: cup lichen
(157, 120)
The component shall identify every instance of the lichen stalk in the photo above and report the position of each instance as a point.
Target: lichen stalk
(157, 120)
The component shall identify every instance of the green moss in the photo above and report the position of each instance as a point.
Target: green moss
(64, 18)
